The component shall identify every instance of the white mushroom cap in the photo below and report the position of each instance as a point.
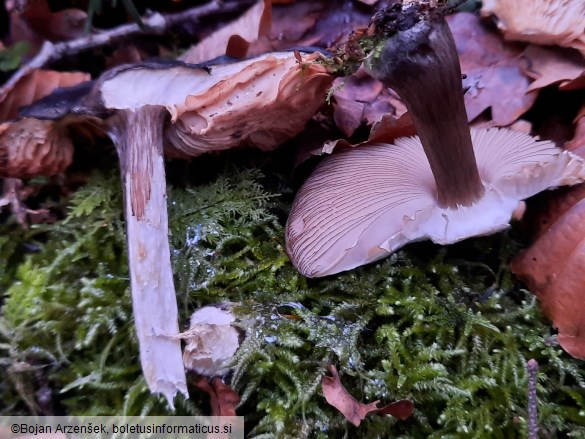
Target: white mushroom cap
(364, 203)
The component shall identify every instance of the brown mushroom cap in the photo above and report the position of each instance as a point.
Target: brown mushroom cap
(362, 204)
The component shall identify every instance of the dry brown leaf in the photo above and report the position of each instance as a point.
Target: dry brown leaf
(36, 23)
(492, 66)
(234, 38)
(32, 147)
(553, 265)
(553, 66)
(320, 23)
(361, 100)
(540, 21)
(223, 399)
(34, 86)
(353, 410)
(577, 144)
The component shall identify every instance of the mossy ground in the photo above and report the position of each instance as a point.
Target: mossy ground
(447, 327)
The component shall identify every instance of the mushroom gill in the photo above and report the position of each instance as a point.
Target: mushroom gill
(364, 203)
(447, 184)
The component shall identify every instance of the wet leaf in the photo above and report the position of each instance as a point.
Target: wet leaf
(223, 399)
(355, 411)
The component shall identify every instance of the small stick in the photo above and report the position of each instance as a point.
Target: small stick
(153, 24)
(532, 367)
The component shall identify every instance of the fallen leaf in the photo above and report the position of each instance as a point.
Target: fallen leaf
(234, 38)
(493, 69)
(577, 144)
(553, 66)
(321, 23)
(34, 86)
(223, 399)
(545, 22)
(361, 100)
(353, 410)
(552, 266)
(35, 23)
(31, 147)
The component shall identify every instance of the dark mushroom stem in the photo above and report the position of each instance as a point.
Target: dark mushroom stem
(415, 55)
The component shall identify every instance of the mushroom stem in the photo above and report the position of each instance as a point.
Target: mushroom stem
(417, 57)
(138, 135)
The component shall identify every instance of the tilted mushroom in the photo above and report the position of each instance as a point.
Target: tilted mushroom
(446, 185)
(259, 102)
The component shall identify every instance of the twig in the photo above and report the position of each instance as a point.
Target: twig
(154, 24)
(532, 367)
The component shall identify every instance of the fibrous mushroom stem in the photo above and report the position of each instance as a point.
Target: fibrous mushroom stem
(417, 57)
(138, 136)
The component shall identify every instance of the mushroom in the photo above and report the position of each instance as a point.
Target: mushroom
(212, 107)
(446, 185)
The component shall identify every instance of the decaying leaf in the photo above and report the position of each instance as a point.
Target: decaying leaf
(223, 399)
(234, 38)
(554, 66)
(34, 86)
(353, 410)
(360, 100)
(540, 21)
(552, 266)
(31, 147)
(211, 341)
(492, 66)
(577, 144)
(63, 25)
(320, 23)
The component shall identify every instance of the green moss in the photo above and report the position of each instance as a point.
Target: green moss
(446, 327)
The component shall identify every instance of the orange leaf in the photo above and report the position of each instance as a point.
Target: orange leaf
(223, 399)
(31, 147)
(553, 266)
(234, 38)
(353, 410)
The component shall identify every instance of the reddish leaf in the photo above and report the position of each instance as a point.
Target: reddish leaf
(494, 76)
(362, 100)
(553, 266)
(223, 399)
(311, 23)
(559, 66)
(234, 38)
(399, 409)
(353, 410)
